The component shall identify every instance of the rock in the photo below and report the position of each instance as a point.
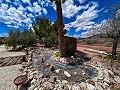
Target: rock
(47, 64)
(67, 74)
(100, 75)
(52, 79)
(83, 85)
(117, 79)
(64, 82)
(41, 75)
(83, 72)
(47, 86)
(106, 80)
(52, 68)
(35, 89)
(57, 71)
(34, 72)
(76, 87)
(33, 81)
(30, 77)
(98, 86)
(40, 88)
(111, 74)
(32, 87)
(90, 87)
(91, 82)
(66, 87)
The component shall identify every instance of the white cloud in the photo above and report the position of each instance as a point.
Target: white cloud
(69, 9)
(37, 8)
(26, 1)
(81, 1)
(84, 20)
(8, 1)
(16, 14)
(44, 11)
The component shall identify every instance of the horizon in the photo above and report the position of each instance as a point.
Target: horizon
(79, 15)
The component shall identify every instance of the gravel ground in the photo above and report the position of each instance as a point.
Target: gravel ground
(5, 53)
(7, 75)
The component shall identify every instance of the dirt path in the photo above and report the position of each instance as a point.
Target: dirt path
(5, 53)
(7, 75)
(97, 57)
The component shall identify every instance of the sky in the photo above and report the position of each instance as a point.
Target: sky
(79, 16)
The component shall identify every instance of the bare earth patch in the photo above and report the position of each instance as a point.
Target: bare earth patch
(7, 75)
(5, 53)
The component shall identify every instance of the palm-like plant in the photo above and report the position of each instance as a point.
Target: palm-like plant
(60, 25)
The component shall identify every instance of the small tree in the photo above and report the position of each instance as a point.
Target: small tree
(12, 39)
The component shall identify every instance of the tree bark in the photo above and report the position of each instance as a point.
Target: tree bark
(114, 48)
(60, 25)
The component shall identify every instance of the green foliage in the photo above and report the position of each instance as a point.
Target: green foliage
(87, 58)
(1, 40)
(45, 29)
(110, 58)
(12, 38)
(58, 55)
(15, 37)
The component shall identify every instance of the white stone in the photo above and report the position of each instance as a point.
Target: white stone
(98, 86)
(41, 88)
(75, 87)
(33, 81)
(117, 79)
(90, 87)
(47, 86)
(67, 74)
(64, 82)
(32, 87)
(57, 71)
(107, 80)
(35, 89)
(83, 85)
(83, 72)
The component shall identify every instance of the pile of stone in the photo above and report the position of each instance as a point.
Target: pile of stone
(105, 80)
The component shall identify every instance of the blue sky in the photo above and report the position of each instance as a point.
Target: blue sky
(79, 15)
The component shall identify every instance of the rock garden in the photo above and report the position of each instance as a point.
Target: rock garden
(46, 71)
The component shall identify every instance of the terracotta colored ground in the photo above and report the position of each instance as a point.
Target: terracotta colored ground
(103, 48)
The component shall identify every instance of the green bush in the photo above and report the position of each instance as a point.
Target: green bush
(15, 38)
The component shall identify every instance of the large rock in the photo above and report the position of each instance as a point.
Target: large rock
(67, 74)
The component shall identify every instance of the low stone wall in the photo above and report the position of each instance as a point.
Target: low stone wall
(12, 60)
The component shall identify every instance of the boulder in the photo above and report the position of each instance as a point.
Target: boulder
(67, 74)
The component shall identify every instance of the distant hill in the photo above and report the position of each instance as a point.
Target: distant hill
(100, 39)
(1, 39)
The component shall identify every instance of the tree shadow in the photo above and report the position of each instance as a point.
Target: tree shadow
(78, 59)
(25, 86)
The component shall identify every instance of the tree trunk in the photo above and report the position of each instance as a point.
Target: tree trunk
(114, 48)
(60, 25)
